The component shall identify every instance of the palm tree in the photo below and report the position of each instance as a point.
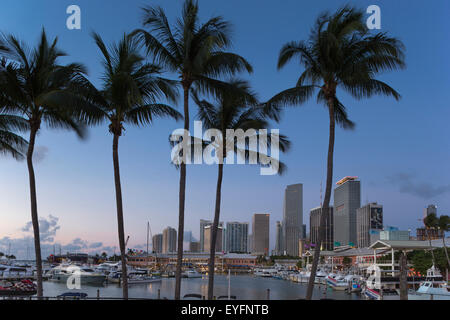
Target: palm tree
(340, 53)
(444, 226)
(11, 143)
(131, 88)
(196, 53)
(431, 221)
(235, 109)
(42, 91)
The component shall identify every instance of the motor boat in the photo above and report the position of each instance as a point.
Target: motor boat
(433, 288)
(87, 275)
(191, 273)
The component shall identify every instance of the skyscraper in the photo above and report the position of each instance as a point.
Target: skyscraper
(279, 239)
(347, 198)
(237, 237)
(203, 224)
(260, 232)
(292, 218)
(429, 210)
(314, 223)
(208, 238)
(369, 223)
(157, 243)
(169, 240)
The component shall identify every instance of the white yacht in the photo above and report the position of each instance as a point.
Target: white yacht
(433, 288)
(8, 272)
(191, 273)
(87, 275)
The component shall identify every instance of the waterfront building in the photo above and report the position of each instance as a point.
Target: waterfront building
(369, 223)
(208, 239)
(392, 233)
(314, 223)
(157, 243)
(237, 237)
(233, 261)
(194, 246)
(292, 218)
(347, 199)
(260, 232)
(169, 240)
(428, 234)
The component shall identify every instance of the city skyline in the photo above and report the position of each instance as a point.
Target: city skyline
(76, 192)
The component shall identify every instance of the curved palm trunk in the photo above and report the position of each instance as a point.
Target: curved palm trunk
(182, 200)
(120, 216)
(326, 202)
(212, 250)
(34, 213)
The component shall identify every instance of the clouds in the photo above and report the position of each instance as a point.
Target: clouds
(23, 248)
(47, 228)
(407, 183)
(40, 153)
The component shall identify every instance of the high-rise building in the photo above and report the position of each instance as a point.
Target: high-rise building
(347, 198)
(208, 238)
(260, 231)
(427, 233)
(314, 223)
(369, 223)
(429, 210)
(394, 234)
(279, 240)
(203, 224)
(169, 240)
(157, 243)
(292, 218)
(237, 237)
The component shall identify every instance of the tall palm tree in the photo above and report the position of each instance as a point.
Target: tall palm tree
(196, 53)
(237, 110)
(340, 53)
(131, 89)
(35, 86)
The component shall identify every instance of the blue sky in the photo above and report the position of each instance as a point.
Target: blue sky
(400, 150)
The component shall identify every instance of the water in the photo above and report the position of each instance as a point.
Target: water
(244, 287)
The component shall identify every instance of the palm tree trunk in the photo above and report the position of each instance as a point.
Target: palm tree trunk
(34, 213)
(403, 276)
(326, 202)
(445, 249)
(431, 247)
(212, 250)
(182, 200)
(120, 216)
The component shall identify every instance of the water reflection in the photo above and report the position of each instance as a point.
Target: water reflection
(242, 286)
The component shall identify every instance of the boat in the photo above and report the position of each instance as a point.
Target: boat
(191, 274)
(24, 287)
(15, 272)
(380, 294)
(138, 279)
(87, 275)
(433, 288)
